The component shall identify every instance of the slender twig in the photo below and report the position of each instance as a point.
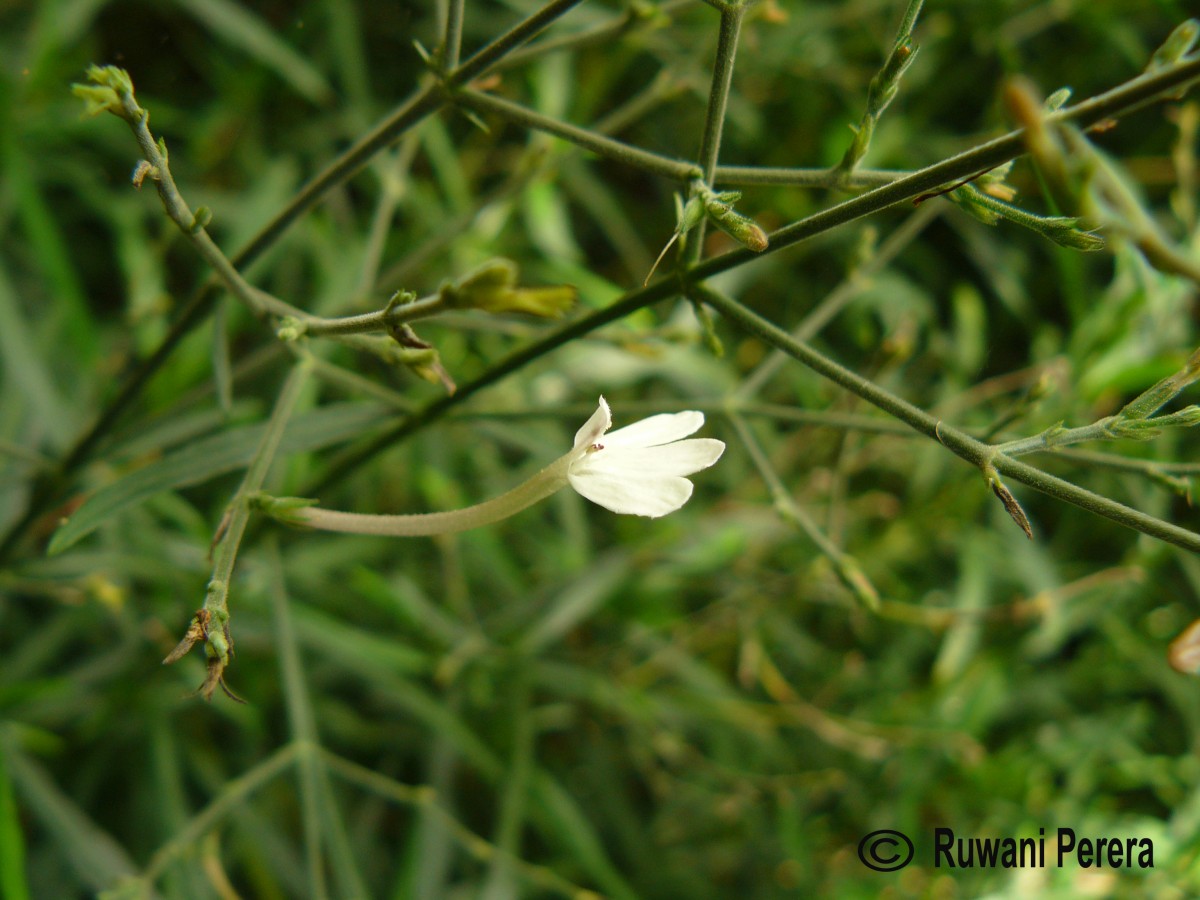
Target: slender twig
(485, 59)
(1128, 96)
(189, 222)
(476, 846)
(805, 178)
(882, 90)
(1052, 438)
(607, 147)
(1120, 100)
(452, 33)
(379, 320)
(233, 528)
(714, 118)
(840, 297)
(982, 455)
(232, 795)
(718, 97)
(635, 18)
(843, 563)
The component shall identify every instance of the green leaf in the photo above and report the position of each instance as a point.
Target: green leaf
(97, 859)
(213, 456)
(13, 885)
(249, 33)
(28, 371)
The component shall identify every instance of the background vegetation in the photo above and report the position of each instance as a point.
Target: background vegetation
(843, 630)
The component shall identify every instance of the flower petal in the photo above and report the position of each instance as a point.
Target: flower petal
(620, 493)
(599, 423)
(677, 459)
(661, 429)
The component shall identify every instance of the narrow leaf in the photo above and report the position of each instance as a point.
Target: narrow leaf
(213, 456)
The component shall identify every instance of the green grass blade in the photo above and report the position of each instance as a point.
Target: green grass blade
(96, 858)
(239, 28)
(13, 885)
(207, 458)
(27, 369)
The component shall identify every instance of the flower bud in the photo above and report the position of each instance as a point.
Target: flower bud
(493, 288)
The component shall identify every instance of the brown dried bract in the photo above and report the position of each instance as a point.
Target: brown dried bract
(197, 631)
(1012, 507)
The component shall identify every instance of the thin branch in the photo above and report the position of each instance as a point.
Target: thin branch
(589, 140)
(636, 18)
(882, 90)
(486, 58)
(979, 454)
(379, 320)
(230, 800)
(841, 296)
(718, 97)
(215, 613)
(1127, 97)
(714, 118)
(452, 35)
(847, 568)
(807, 178)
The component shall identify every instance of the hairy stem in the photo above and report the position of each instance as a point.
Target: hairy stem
(714, 119)
(546, 482)
(986, 457)
(217, 594)
(588, 139)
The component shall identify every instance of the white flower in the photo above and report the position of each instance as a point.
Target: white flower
(639, 469)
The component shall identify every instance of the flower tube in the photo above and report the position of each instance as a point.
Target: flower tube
(638, 470)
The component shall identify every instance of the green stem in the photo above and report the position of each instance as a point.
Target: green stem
(186, 220)
(1123, 99)
(882, 89)
(1128, 96)
(840, 297)
(714, 119)
(589, 140)
(808, 178)
(486, 58)
(598, 35)
(718, 96)
(546, 482)
(1052, 438)
(379, 320)
(958, 442)
(217, 594)
(845, 565)
(413, 110)
(452, 35)
(975, 451)
(230, 801)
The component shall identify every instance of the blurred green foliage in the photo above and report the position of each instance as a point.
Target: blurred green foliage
(696, 706)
